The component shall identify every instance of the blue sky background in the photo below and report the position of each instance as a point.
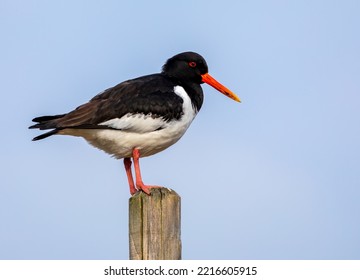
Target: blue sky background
(275, 177)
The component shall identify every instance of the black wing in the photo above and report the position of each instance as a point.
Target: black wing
(151, 95)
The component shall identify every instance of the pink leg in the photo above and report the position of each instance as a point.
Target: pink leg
(139, 183)
(127, 163)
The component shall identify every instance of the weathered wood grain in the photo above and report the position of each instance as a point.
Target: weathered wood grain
(154, 225)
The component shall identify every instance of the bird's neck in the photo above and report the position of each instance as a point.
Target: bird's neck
(193, 89)
(195, 93)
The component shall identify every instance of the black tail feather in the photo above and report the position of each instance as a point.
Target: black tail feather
(46, 122)
(47, 134)
(43, 119)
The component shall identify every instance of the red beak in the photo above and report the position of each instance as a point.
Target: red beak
(206, 78)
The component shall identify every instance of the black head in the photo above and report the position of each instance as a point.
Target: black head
(190, 68)
(186, 66)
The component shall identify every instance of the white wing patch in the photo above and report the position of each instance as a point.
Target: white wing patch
(139, 123)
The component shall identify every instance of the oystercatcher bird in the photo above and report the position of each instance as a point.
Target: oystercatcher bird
(139, 117)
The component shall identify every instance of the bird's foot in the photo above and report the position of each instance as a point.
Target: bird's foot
(146, 188)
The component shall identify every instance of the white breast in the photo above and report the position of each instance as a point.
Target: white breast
(149, 135)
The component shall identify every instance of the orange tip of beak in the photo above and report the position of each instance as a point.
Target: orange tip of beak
(206, 78)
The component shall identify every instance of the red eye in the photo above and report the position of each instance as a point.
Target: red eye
(192, 64)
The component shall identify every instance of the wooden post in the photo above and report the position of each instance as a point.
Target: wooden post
(154, 225)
